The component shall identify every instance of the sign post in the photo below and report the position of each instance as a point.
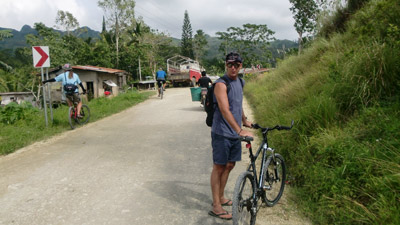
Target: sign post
(41, 58)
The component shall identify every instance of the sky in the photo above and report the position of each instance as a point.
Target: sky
(166, 16)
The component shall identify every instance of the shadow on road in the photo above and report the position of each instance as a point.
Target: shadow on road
(193, 204)
(194, 109)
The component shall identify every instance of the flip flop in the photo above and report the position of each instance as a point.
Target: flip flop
(219, 215)
(227, 203)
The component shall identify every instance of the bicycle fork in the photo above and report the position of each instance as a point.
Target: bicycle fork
(267, 186)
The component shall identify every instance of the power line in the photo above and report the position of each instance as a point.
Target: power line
(160, 21)
(156, 20)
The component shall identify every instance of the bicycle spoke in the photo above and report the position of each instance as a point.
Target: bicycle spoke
(274, 181)
(242, 208)
(85, 115)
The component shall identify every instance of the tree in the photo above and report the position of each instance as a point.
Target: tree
(305, 15)
(199, 43)
(103, 26)
(120, 14)
(251, 41)
(187, 37)
(5, 34)
(66, 20)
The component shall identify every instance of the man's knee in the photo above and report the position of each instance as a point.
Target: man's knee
(230, 165)
(219, 168)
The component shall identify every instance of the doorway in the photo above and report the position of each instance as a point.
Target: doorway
(90, 90)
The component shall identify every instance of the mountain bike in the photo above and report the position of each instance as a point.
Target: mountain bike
(203, 97)
(161, 87)
(267, 186)
(161, 92)
(74, 119)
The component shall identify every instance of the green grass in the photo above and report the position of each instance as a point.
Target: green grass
(23, 125)
(344, 95)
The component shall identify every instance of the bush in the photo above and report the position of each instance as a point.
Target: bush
(13, 112)
(343, 94)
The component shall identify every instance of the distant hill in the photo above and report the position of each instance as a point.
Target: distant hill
(18, 38)
(212, 49)
(214, 43)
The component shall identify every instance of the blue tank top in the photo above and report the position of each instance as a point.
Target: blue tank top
(235, 98)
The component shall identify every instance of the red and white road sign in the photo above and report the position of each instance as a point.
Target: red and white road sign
(41, 56)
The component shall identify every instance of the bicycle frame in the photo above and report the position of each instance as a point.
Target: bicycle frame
(265, 149)
(252, 167)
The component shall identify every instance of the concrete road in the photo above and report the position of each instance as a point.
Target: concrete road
(149, 164)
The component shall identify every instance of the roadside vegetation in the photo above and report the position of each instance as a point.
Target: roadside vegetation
(343, 92)
(22, 125)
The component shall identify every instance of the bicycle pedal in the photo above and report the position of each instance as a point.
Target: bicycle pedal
(267, 187)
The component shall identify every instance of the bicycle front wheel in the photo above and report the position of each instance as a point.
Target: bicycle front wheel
(71, 117)
(243, 208)
(274, 179)
(85, 115)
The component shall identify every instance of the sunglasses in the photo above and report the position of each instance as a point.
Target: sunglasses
(236, 65)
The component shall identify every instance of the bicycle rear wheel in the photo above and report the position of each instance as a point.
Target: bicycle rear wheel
(85, 113)
(161, 92)
(274, 179)
(243, 209)
(71, 117)
(203, 101)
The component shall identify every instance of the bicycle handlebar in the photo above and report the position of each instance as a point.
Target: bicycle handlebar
(265, 130)
(246, 138)
(277, 127)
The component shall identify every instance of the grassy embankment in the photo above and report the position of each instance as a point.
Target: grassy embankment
(23, 125)
(344, 94)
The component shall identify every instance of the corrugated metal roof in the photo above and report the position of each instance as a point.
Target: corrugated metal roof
(99, 69)
(91, 68)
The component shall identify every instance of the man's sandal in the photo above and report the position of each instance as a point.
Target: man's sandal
(227, 203)
(219, 215)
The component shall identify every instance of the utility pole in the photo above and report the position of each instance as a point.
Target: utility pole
(140, 71)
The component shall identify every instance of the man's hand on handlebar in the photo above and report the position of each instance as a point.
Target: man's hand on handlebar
(245, 133)
(247, 124)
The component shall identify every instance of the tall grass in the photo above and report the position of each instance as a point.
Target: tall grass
(23, 125)
(343, 92)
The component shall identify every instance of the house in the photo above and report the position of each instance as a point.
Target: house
(98, 81)
(18, 97)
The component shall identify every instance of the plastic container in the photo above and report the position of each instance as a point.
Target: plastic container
(196, 93)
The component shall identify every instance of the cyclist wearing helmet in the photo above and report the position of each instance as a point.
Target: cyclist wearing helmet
(70, 79)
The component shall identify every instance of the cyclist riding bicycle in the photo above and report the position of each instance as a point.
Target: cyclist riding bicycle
(69, 81)
(204, 81)
(161, 78)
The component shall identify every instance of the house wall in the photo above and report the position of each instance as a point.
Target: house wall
(6, 98)
(89, 76)
(106, 76)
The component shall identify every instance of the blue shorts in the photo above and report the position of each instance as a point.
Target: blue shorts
(225, 149)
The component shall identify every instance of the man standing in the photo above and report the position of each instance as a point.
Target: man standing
(226, 128)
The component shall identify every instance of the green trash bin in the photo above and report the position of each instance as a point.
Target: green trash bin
(196, 93)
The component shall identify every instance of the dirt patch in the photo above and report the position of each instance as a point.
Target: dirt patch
(285, 212)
